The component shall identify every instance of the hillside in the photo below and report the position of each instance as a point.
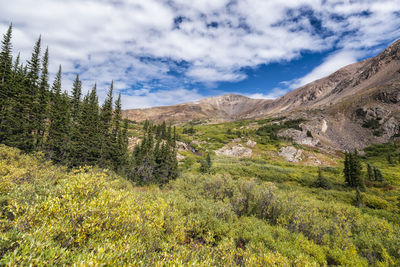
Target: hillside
(250, 211)
(354, 107)
(216, 109)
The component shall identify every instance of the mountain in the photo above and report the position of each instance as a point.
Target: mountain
(216, 109)
(355, 106)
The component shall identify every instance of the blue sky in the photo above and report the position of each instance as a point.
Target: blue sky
(163, 52)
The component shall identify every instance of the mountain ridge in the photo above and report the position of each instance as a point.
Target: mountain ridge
(346, 100)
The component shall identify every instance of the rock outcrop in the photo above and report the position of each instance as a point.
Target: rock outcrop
(290, 154)
(235, 151)
(299, 137)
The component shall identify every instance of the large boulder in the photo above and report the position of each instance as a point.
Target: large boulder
(299, 137)
(390, 128)
(291, 154)
(235, 151)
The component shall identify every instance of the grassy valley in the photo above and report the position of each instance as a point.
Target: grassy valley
(258, 210)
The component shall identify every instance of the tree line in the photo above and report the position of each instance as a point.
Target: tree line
(73, 129)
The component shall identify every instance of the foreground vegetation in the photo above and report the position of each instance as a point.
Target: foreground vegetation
(51, 215)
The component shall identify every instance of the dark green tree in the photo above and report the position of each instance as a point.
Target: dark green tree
(370, 172)
(43, 101)
(321, 181)
(106, 123)
(88, 147)
(352, 171)
(57, 143)
(378, 175)
(76, 98)
(6, 87)
(205, 164)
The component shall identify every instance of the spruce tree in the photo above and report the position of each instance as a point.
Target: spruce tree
(43, 101)
(6, 87)
(15, 123)
(5, 64)
(76, 98)
(356, 169)
(346, 169)
(89, 146)
(57, 143)
(378, 175)
(106, 117)
(370, 172)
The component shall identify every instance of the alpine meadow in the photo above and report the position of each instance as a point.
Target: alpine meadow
(178, 170)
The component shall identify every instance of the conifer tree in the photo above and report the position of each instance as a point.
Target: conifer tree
(358, 201)
(106, 117)
(76, 98)
(15, 124)
(57, 143)
(5, 63)
(370, 172)
(205, 164)
(43, 101)
(378, 175)
(352, 171)
(346, 169)
(5, 83)
(88, 144)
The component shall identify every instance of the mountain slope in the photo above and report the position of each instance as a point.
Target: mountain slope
(355, 106)
(216, 109)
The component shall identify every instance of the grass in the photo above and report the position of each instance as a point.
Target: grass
(257, 211)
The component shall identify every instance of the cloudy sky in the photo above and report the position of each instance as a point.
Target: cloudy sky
(162, 52)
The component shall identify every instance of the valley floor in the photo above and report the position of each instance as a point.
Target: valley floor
(243, 212)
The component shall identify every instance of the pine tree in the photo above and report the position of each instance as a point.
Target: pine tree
(378, 175)
(321, 181)
(6, 88)
(352, 171)
(358, 201)
(205, 164)
(88, 146)
(14, 128)
(5, 64)
(34, 64)
(43, 101)
(346, 169)
(106, 117)
(76, 98)
(57, 143)
(356, 168)
(370, 172)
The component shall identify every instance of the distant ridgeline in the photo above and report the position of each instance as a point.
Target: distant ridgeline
(35, 116)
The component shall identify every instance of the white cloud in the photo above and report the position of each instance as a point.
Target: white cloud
(139, 42)
(146, 98)
(331, 64)
(273, 94)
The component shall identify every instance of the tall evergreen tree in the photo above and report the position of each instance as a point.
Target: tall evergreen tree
(5, 62)
(352, 170)
(5, 83)
(370, 172)
(87, 145)
(57, 143)
(43, 101)
(106, 117)
(76, 98)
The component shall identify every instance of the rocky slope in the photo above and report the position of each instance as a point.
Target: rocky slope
(353, 107)
(214, 109)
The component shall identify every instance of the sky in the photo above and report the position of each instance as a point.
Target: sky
(164, 52)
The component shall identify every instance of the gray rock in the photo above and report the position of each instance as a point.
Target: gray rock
(185, 147)
(235, 151)
(290, 154)
(299, 137)
(390, 128)
(251, 143)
